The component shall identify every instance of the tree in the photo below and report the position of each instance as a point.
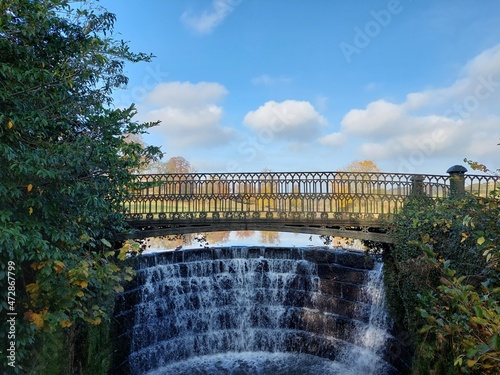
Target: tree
(65, 167)
(348, 183)
(145, 160)
(176, 164)
(361, 166)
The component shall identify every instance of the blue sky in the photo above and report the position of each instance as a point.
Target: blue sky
(243, 85)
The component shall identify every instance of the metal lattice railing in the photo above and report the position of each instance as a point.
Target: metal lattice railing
(289, 195)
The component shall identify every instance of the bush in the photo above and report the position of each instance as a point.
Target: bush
(443, 283)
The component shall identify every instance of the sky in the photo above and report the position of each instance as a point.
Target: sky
(295, 85)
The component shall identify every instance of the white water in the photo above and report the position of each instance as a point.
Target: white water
(229, 317)
(366, 357)
(257, 363)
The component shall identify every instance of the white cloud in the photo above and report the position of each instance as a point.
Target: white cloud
(186, 94)
(486, 63)
(290, 120)
(459, 120)
(333, 139)
(378, 117)
(189, 114)
(207, 21)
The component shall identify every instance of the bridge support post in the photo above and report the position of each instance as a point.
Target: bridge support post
(457, 180)
(417, 187)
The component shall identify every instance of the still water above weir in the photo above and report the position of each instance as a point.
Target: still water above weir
(253, 310)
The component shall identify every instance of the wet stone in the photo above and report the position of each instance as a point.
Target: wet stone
(194, 302)
(354, 260)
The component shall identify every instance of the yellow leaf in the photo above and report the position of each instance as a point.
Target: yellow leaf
(471, 362)
(66, 323)
(30, 210)
(480, 240)
(79, 294)
(59, 266)
(33, 287)
(34, 318)
(10, 125)
(95, 321)
(30, 187)
(83, 284)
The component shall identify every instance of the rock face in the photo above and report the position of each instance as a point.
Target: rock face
(206, 301)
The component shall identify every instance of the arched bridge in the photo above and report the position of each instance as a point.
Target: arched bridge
(346, 204)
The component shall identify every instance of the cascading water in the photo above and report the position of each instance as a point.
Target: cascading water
(371, 338)
(249, 314)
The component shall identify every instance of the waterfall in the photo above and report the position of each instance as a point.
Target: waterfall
(248, 312)
(371, 338)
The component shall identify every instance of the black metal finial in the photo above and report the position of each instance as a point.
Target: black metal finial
(457, 169)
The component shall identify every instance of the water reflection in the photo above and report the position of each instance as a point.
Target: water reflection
(249, 238)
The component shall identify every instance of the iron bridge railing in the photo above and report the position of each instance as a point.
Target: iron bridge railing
(298, 196)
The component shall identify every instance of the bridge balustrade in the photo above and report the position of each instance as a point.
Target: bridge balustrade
(338, 200)
(270, 195)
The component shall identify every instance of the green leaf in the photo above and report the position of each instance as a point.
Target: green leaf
(478, 311)
(425, 329)
(494, 342)
(106, 242)
(471, 353)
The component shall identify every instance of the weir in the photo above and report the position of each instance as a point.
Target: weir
(255, 310)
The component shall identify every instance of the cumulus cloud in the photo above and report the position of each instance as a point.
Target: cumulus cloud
(333, 139)
(186, 94)
(189, 113)
(208, 20)
(289, 120)
(459, 120)
(379, 116)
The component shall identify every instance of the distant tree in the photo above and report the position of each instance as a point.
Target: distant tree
(348, 184)
(361, 166)
(145, 160)
(242, 234)
(268, 237)
(176, 164)
(65, 167)
(217, 237)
